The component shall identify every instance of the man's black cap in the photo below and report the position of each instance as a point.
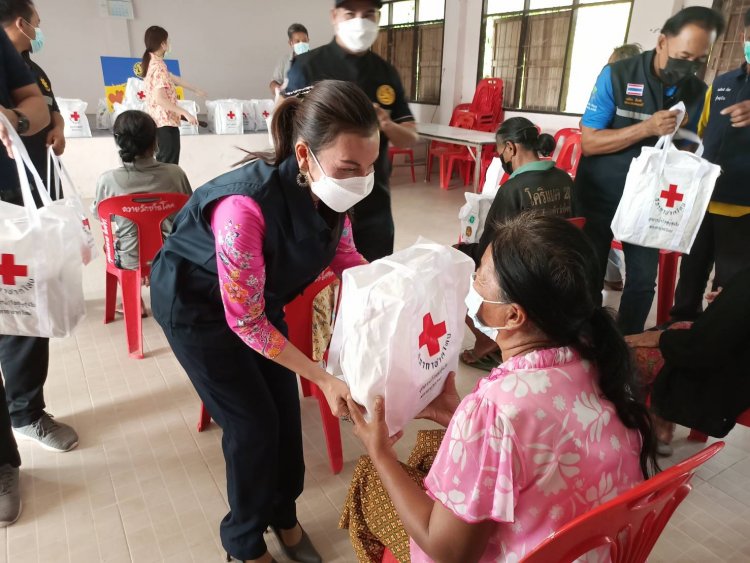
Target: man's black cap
(340, 3)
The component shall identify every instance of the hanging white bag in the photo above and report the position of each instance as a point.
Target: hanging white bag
(71, 197)
(492, 179)
(192, 108)
(399, 329)
(667, 192)
(74, 115)
(41, 285)
(473, 216)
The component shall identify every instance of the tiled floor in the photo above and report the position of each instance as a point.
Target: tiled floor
(145, 486)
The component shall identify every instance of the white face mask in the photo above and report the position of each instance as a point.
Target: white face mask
(341, 195)
(473, 303)
(358, 34)
(301, 48)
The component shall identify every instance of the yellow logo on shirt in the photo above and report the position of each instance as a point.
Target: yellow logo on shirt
(45, 84)
(138, 69)
(386, 95)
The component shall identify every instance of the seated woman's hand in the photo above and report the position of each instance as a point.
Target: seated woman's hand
(648, 339)
(374, 435)
(442, 408)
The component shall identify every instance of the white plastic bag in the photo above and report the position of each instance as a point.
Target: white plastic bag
(103, 115)
(225, 117)
(263, 114)
(135, 92)
(473, 215)
(399, 329)
(41, 285)
(249, 118)
(667, 192)
(492, 179)
(72, 198)
(192, 108)
(74, 115)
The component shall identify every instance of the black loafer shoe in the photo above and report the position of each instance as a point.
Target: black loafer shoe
(230, 559)
(303, 552)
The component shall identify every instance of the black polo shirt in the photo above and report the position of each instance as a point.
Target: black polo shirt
(37, 144)
(382, 84)
(14, 74)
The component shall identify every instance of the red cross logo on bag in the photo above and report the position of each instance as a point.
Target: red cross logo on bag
(141, 95)
(266, 114)
(75, 116)
(431, 335)
(9, 271)
(672, 195)
(231, 115)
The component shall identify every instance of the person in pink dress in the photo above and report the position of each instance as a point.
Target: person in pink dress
(551, 433)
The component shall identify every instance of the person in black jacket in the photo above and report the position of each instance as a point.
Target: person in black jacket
(534, 185)
(705, 379)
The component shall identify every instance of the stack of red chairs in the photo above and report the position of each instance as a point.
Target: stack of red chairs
(449, 153)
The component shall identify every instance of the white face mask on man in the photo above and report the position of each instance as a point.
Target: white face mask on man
(341, 195)
(357, 34)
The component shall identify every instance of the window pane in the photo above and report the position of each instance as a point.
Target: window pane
(380, 47)
(430, 67)
(599, 29)
(431, 10)
(403, 56)
(501, 54)
(385, 12)
(541, 4)
(545, 60)
(403, 12)
(504, 6)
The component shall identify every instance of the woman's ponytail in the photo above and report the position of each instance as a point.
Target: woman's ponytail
(545, 144)
(282, 133)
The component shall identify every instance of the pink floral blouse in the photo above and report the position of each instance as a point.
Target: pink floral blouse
(156, 78)
(534, 446)
(239, 227)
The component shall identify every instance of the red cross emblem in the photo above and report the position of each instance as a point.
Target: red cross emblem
(431, 335)
(9, 271)
(266, 114)
(672, 195)
(231, 115)
(141, 95)
(75, 116)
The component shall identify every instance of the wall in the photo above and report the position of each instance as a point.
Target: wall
(229, 50)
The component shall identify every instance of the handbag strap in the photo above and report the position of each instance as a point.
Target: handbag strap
(22, 161)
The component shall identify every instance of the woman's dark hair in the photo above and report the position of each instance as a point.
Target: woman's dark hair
(330, 108)
(296, 28)
(549, 267)
(12, 9)
(705, 18)
(521, 131)
(153, 39)
(135, 134)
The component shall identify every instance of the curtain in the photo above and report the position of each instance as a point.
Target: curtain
(505, 63)
(430, 63)
(546, 51)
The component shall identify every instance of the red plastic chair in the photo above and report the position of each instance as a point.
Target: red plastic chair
(438, 148)
(698, 436)
(487, 105)
(147, 211)
(570, 154)
(457, 154)
(393, 151)
(629, 524)
(299, 316)
(667, 281)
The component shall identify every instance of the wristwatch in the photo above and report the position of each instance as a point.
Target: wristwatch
(23, 122)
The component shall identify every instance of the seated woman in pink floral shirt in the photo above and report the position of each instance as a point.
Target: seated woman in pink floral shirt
(551, 433)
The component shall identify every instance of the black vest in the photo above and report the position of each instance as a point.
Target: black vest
(298, 246)
(604, 175)
(729, 146)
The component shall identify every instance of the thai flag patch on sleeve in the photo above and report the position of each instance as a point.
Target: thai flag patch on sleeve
(634, 90)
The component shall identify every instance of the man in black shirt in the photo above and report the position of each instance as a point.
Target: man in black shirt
(348, 57)
(25, 360)
(22, 104)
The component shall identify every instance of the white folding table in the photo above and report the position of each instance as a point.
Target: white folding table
(457, 136)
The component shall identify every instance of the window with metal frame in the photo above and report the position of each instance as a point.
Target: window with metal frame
(728, 51)
(549, 52)
(411, 39)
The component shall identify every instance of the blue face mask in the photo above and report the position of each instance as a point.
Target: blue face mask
(301, 48)
(37, 42)
(747, 51)
(473, 303)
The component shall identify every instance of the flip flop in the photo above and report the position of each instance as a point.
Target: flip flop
(488, 362)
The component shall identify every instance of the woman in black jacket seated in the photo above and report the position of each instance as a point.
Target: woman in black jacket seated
(534, 185)
(701, 375)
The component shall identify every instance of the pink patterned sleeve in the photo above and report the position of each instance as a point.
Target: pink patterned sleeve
(239, 227)
(346, 253)
(477, 474)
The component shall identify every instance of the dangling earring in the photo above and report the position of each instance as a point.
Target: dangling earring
(302, 180)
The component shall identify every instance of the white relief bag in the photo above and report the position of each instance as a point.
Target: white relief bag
(74, 115)
(473, 216)
(399, 329)
(225, 117)
(41, 285)
(667, 192)
(192, 108)
(135, 92)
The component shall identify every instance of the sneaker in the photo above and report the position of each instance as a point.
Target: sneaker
(51, 435)
(10, 495)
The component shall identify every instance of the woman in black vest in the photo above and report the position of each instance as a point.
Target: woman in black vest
(534, 185)
(244, 246)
